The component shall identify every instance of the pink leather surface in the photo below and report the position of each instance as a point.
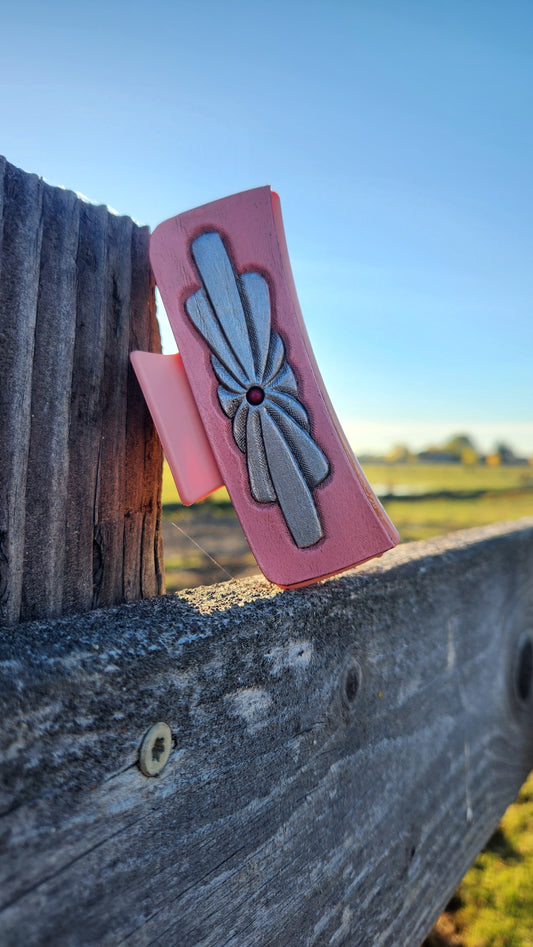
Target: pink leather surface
(355, 526)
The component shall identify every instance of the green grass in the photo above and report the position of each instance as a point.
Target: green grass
(434, 477)
(493, 906)
(505, 493)
(424, 478)
(422, 519)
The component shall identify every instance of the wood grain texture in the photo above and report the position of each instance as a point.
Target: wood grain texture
(80, 461)
(48, 460)
(341, 754)
(20, 251)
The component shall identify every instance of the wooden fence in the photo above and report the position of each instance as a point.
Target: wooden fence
(338, 754)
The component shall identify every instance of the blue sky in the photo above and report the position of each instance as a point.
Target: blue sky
(398, 133)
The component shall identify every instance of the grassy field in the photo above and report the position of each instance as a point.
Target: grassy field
(493, 906)
(204, 543)
(426, 500)
(422, 500)
(431, 477)
(419, 478)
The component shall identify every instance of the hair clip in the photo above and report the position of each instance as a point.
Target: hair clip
(243, 403)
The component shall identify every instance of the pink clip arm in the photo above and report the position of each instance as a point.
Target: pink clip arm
(172, 406)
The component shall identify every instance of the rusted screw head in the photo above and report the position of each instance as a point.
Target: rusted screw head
(155, 749)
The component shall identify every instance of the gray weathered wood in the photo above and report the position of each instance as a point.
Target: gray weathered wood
(51, 381)
(341, 754)
(79, 459)
(21, 226)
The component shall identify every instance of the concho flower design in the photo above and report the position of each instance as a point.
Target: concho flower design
(257, 388)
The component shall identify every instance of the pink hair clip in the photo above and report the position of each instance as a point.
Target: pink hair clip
(243, 403)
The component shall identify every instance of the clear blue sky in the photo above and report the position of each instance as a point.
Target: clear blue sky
(398, 133)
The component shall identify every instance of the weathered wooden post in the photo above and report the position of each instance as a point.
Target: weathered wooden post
(80, 464)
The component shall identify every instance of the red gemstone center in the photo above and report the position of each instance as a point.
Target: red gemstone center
(255, 395)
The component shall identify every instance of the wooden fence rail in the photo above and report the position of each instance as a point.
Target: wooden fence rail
(338, 754)
(341, 753)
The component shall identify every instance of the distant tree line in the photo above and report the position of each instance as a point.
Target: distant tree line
(459, 449)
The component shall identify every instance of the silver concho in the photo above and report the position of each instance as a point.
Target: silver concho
(257, 388)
